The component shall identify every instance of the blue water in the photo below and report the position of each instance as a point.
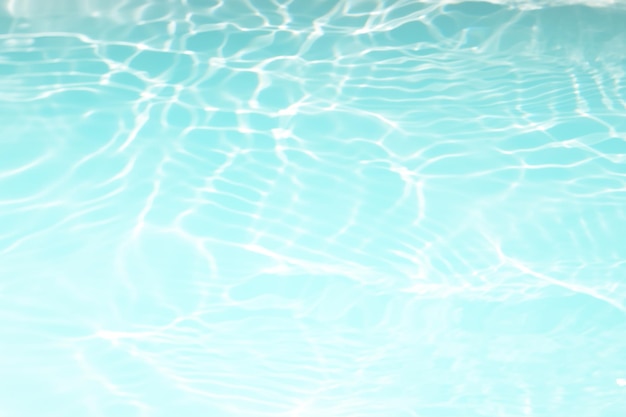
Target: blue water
(312, 208)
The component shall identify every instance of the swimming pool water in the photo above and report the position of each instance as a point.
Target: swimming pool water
(215, 208)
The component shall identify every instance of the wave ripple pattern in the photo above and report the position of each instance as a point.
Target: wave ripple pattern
(339, 208)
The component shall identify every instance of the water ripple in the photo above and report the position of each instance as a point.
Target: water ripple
(312, 208)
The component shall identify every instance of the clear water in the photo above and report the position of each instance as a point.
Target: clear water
(312, 208)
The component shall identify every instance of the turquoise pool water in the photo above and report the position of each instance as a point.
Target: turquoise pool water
(312, 208)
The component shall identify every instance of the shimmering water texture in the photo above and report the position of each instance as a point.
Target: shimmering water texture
(312, 208)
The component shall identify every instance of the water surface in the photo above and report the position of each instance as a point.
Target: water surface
(312, 208)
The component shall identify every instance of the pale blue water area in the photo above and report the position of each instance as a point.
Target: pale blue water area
(312, 208)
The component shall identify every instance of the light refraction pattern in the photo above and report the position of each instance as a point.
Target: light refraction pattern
(305, 208)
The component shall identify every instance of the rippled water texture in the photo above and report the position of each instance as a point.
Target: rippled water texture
(312, 208)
